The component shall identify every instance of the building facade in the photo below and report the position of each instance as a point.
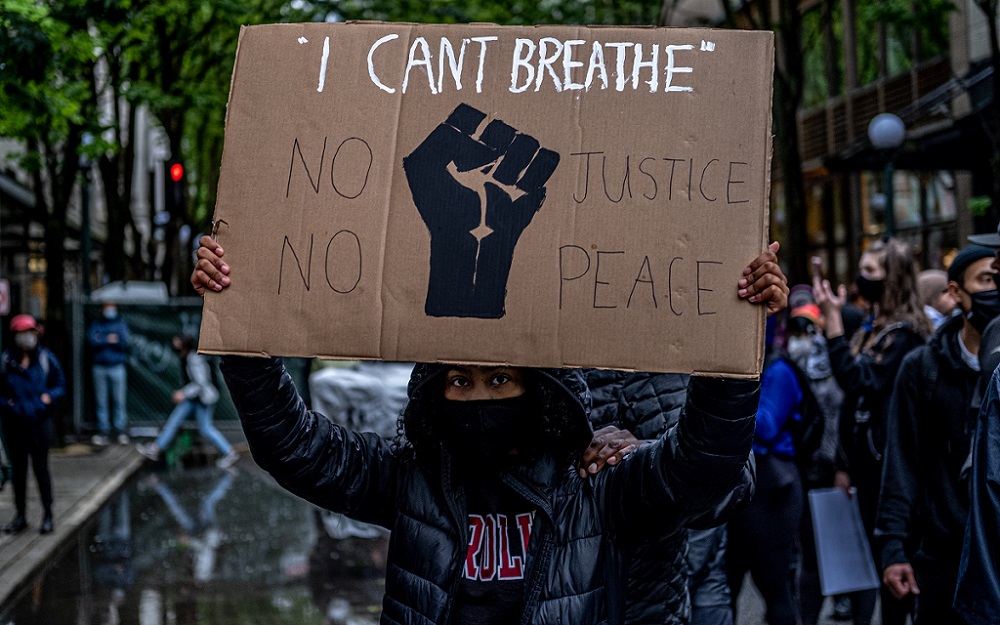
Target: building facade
(931, 69)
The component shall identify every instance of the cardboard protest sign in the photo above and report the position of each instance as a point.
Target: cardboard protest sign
(539, 196)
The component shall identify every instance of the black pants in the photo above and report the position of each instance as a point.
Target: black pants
(866, 476)
(937, 579)
(810, 592)
(763, 539)
(29, 439)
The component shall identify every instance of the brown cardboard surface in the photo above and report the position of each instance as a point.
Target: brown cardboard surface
(625, 174)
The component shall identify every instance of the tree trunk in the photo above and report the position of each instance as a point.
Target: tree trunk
(787, 98)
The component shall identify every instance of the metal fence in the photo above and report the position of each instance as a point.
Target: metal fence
(154, 370)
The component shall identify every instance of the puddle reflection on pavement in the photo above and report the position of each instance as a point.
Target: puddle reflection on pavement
(211, 547)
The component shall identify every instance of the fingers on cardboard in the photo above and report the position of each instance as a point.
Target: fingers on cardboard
(518, 155)
(466, 119)
(539, 171)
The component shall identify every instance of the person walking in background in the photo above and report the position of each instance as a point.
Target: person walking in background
(763, 538)
(197, 397)
(929, 428)
(108, 339)
(866, 369)
(808, 350)
(934, 295)
(32, 381)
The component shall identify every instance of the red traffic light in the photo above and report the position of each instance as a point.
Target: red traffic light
(176, 172)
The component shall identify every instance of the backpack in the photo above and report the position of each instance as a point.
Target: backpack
(807, 433)
(43, 362)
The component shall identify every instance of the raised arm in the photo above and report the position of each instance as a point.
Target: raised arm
(346, 472)
(688, 471)
(343, 471)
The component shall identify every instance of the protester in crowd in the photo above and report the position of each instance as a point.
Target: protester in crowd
(32, 382)
(763, 538)
(108, 340)
(866, 369)
(977, 597)
(490, 447)
(663, 584)
(933, 293)
(808, 351)
(197, 397)
(929, 425)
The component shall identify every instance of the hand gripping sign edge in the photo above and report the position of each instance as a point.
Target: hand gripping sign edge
(476, 195)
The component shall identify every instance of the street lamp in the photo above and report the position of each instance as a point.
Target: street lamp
(886, 131)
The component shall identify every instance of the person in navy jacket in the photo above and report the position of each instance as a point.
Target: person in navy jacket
(108, 340)
(31, 383)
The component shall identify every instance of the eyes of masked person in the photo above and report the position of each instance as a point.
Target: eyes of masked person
(488, 417)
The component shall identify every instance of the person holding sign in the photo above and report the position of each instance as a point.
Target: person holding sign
(490, 520)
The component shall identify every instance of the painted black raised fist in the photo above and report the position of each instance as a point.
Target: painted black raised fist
(476, 193)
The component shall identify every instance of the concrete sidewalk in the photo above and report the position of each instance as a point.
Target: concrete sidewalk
(82, 481)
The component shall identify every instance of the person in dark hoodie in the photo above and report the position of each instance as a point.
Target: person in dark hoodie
(865, 367)
(929, 427)
(490, 521)
(977, 596)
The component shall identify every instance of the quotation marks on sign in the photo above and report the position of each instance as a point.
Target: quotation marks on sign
(707, 46)
(477, 192)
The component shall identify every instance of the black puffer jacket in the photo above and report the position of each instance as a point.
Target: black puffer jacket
(574, 564)
(647, 405)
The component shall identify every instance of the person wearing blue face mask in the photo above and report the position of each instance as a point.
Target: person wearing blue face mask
(108, 338)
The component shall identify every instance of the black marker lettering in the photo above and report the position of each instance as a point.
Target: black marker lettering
(597, 277)
(648, 280)
(701, 183)
(326, 264)
(586, 175)
(701, 289)
(651, 178)
(291, 166)
(562, 272)
(673, 166)
(333, 168)
(625, 182)
(670, 283)
(307, 275)
(690, 176)
(731, 182)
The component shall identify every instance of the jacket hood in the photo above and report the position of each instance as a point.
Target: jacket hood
(944, 342)
(566, 384)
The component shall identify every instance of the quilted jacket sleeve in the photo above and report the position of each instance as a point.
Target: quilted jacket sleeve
(688, 471)
(346, 472)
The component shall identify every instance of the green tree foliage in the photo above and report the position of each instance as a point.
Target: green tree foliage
(629, 12)
(45, 53)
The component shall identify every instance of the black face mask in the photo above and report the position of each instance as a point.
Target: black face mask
(869, 289)
(985, 307)
(483, 432)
